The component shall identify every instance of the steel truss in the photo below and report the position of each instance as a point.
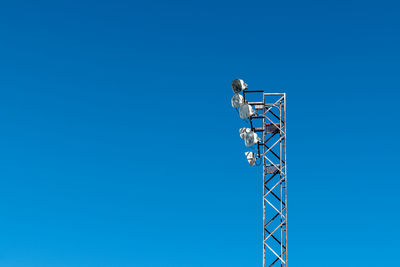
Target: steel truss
(270, 122)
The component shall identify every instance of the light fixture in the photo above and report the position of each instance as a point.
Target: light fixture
(243, 132)
(238, 85)
(251, 158)
(246, 111)
(251, 138)
(237, 100)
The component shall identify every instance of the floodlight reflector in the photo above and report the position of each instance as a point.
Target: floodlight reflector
(243, 132)
(237, 100)
(251, 138)
(246, 111)
(238, 85)
(251, 158)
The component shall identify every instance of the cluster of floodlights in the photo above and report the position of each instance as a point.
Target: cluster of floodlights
(245, 111)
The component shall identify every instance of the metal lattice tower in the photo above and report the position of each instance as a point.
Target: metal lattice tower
(269, 121)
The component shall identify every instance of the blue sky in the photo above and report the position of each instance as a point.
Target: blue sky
(119, 146)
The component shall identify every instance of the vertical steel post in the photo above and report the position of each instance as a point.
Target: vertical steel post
(264, 171)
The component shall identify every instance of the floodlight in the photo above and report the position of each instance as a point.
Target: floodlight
(243, 132)
(238, 85)
(245, 111)
(237, 100)
(251, 158)
(251, 139)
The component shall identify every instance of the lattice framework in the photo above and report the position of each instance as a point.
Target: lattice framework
(270, 121)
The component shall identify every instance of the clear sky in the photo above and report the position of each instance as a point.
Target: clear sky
(119, 146)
